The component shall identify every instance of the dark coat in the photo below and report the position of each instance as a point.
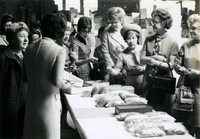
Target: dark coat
(12, 95)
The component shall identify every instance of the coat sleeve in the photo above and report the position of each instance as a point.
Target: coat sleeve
(105, 49)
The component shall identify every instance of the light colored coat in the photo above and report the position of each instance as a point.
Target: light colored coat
(112, 46)
(42, 115)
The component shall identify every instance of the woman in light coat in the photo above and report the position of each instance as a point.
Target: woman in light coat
(112, 41)
(43, 70)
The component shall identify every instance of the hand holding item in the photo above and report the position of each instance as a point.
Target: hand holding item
(124, 73)
(153, 62)
(138, 69)
(159, 58)
(92, 59)
(112, 71)
(73, 56)
(192, 73)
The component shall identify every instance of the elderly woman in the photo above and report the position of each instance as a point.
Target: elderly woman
(43, 70)
(188, 63)
(158, 49)
(6, 21)
(129, 59)
(81, 46)
(12, 88)
(112, 41)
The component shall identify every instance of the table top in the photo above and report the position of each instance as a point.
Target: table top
(100, 123)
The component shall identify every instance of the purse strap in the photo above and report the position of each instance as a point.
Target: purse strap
(171, 73)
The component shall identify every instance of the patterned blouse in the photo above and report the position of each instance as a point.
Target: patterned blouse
(81, 47)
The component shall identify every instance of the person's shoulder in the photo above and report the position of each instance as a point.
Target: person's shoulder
(189, 43)
(138, 47)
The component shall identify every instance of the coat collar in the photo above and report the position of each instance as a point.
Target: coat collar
(8, 52)
(120, 41)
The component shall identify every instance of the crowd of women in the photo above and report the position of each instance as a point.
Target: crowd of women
(32, 64)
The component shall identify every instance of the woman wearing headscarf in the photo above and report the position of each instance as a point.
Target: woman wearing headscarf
(129, 59)
(12, 88)
(112, 41)
(158, 49)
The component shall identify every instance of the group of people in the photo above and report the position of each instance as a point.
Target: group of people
(32, 72)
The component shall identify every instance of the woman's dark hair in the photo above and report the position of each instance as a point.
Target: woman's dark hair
(53, 25)
(35, 31)
(6, 18)
(84, 23)
(128, 33)
(163, 15)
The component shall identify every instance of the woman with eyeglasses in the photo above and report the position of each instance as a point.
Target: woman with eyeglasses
(81, 46)
(158, 49)
(112, 42)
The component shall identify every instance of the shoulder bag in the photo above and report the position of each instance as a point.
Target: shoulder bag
(184, 98)
(165, 83)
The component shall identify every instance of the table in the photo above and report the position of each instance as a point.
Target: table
(100, 123)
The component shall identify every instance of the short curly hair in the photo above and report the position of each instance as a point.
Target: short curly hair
(116, 13)
(53, 25)
(84, 23)
(14, 29)
(163, 15)
(195, 18)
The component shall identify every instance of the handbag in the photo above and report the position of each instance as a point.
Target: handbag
(165, 83)
(184, 98)
(94, 73)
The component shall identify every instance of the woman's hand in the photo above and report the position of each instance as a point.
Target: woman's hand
(92, 59)
(159, 58)
(112, 71)
(192, 73)
(153, 62)
(73, 56)
(124, 73)
(138, 69)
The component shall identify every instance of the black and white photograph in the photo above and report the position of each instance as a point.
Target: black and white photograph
(99, 69)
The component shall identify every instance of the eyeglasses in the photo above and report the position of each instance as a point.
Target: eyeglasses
(154, 22)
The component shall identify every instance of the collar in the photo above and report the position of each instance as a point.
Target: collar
(81, 39)
(159, 37)
(128, 50)
(8, 52)
(20, 55)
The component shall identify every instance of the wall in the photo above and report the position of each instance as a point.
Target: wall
(29, 11)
